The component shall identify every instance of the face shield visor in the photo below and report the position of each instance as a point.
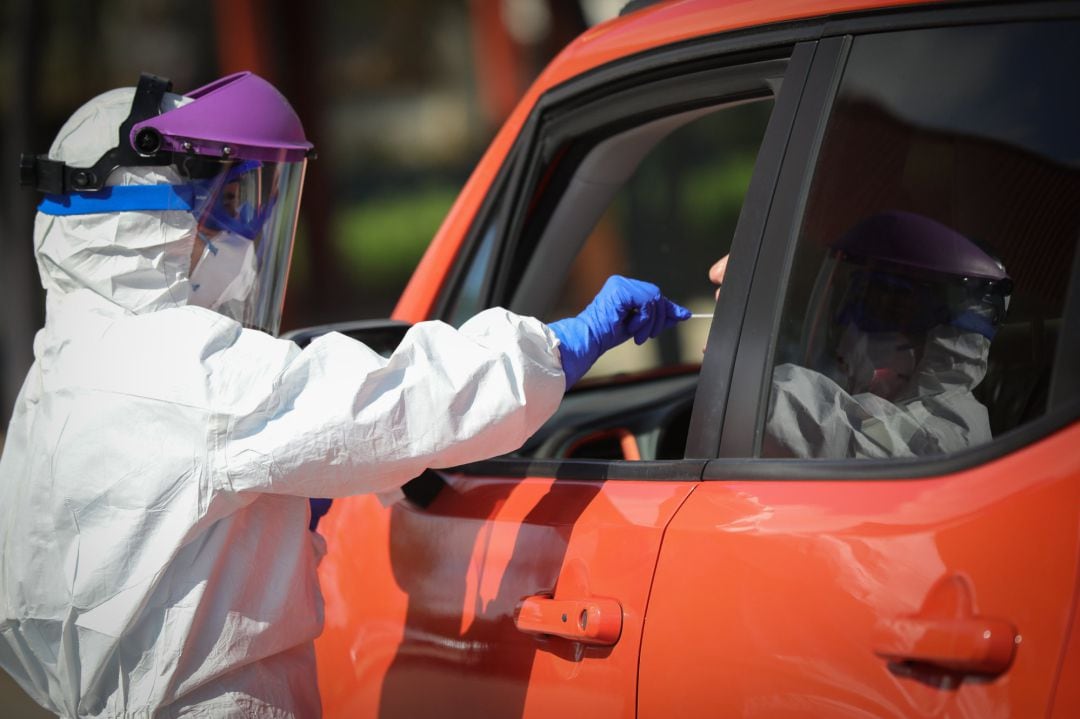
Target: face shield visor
(869, 324)
(246, 214)
(870, 319)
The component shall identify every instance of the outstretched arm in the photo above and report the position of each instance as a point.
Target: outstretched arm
(339, 419)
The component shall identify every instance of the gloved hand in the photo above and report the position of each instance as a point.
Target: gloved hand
(623, 308)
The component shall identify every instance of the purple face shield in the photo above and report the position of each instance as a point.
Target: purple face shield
(240, 153)
(245, 150)
(908, 240)
(904, 274)
(911, 273)
(239, 116)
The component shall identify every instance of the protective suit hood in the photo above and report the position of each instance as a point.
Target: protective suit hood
(136, 261)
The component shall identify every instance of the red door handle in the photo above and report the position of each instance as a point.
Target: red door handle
(947, 633)
(971, 646)
(589, 621)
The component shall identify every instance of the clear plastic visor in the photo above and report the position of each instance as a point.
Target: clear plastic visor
(246, 212)
(875, 298)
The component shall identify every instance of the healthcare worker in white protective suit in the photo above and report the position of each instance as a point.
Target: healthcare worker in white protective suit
(154, 552)
(899, 331)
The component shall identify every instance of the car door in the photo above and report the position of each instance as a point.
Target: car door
(519, 586)
(940, 584)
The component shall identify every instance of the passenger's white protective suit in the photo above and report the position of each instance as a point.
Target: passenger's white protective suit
(810, 415)
(154, 552)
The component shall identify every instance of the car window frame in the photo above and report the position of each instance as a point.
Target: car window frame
(743, 427)
(663, 97)
(513, 176)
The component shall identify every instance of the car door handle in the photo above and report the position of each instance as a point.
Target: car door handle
(596, 620)
(974, 645)
(948, 634)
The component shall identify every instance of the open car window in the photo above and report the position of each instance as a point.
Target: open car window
(676, 186)
(649, 183)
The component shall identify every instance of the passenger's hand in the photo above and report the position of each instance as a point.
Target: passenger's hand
(717, 272)
(624, 308)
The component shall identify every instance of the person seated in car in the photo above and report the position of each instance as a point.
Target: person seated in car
(897, 336)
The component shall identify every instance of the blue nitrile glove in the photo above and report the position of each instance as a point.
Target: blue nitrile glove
(319, 507)
(623, 308)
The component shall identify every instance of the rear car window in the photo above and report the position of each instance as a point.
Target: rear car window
(931, 267)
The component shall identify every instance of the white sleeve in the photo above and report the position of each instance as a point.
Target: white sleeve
(341, 420)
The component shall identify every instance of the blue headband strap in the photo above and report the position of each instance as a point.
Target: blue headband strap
(120, 198)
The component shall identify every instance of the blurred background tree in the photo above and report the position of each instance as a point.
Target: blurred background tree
(399, 98)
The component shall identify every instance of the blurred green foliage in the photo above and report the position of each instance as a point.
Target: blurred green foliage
(380, 239)
(714, 194)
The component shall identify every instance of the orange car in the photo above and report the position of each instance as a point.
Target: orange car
(649, 553)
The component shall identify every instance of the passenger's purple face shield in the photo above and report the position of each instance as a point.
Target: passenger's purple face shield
(240, 116)
(911, 240)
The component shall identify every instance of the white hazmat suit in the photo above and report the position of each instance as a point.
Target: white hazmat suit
(154, 552)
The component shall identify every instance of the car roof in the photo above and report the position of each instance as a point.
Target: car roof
(665, 23)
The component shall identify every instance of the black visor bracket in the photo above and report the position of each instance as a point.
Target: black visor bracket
(57, 178)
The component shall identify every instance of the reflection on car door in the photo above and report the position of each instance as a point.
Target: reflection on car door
(442, 633)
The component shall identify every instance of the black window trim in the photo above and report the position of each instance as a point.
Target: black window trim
(740, 434)
(674, 470)
(579, 129)
(950, 14)
(801, 470)
(1065, 380)
(715, 377)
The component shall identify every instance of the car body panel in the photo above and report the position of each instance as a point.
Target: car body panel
(670, 23)
(853, 555)
(438, 636)
(1066, 701)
